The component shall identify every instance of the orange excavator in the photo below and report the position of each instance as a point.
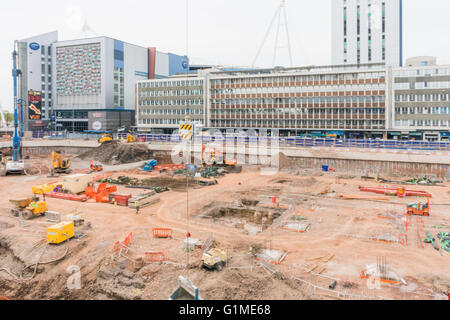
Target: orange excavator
(213, 156)
(96, 167)
(419, 209)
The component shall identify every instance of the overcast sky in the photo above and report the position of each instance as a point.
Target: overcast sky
(225, 32)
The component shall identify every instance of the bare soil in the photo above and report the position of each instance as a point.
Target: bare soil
(340, 228)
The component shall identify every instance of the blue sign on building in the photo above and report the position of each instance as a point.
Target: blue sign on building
(35, 46)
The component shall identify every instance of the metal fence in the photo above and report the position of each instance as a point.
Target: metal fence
(283, 141)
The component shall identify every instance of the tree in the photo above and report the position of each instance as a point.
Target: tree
(9, 116)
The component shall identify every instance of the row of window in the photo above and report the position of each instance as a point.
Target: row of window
(422, 72)
(422, 123)
(425, 110)
(299, 111)
(422, 97)
(349, 87)
(171, 93)
(422, 85)
(186, 102)
(301, 100)
(170, 111)
(173, 83)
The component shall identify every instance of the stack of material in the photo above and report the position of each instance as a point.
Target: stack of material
(121, 199)
(53, 216)
(144, 199)
(444, 238)
(78, 219)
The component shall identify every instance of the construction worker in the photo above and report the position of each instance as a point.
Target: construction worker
(137, 207)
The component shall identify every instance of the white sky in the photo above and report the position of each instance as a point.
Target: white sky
(226, 32)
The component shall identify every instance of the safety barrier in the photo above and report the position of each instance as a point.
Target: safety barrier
(121, 247)
(282, 141)
(162, 233)
(154, 257)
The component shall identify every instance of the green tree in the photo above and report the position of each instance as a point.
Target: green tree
(9, 116)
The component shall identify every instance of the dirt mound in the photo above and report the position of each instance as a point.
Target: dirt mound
(285, 162)
(114, 153)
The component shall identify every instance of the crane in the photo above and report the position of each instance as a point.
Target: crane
(16, 164)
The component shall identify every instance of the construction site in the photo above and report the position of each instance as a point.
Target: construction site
(120, 221)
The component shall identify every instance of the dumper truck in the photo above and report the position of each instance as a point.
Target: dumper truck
(30, 208)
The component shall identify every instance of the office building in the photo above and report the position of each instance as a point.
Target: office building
(367, 31)
(421, 105)
(332, 99)
(35, 63)
(163, 104)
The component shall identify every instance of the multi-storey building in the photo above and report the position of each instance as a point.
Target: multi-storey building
(35, 63)
(364, 101)
(367, 31)
(89, 84)
(421, 104)
(163, 104)
(334, 99)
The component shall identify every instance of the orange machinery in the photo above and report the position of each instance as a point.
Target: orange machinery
(419, 209)
(96, 167)
(102, 193)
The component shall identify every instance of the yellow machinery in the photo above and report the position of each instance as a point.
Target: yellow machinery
(107, 137)
(60, 232)
(214, 259)
(45, 188)
(59, 165)
(29, 208)
(131, 138)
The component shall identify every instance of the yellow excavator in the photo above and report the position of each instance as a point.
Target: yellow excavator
(131, 138)
(107, 137)
(59, 165)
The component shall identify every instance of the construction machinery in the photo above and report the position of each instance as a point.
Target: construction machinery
(102, 193)
(59, 165)
(60, 232)
(214, 259)
(95, 167)
(15, 165)
(131, 138)
(106, 138)
(29, 208)
(149, 166)
(419, 209)
(213, 156)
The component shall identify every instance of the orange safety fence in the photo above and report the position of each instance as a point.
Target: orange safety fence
(152, 257)
(162, 233)
(119, 245)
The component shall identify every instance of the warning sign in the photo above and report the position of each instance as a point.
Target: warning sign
(186, 131)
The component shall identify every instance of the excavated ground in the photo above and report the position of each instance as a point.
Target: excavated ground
(340, 228)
